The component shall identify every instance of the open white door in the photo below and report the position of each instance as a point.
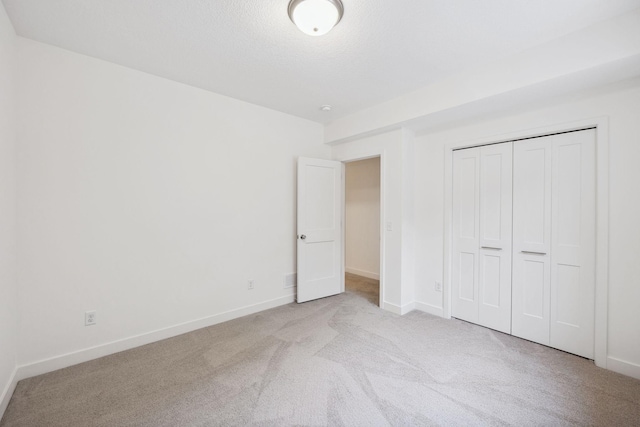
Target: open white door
(320, 202)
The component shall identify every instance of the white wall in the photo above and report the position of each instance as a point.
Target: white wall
(362, 212)
(8, 284)
(147, 200)
(621, 103)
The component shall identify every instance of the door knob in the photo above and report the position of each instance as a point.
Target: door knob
(303, 237)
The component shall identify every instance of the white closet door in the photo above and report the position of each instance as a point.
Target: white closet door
(531, 239)
(573, 243)
(466, 235)
(494, 280)
(482, 236)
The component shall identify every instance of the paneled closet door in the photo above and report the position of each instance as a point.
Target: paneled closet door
(466, 234)
(482, 236)
(531, 239)
(573, 243)
(494, 281)
(554, 241)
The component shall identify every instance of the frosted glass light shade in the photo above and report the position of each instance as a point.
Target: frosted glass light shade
(315, 17)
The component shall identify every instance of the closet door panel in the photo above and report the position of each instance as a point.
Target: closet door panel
(532, 239)
(533, 176)
(494, 305)
(534, 283)
(491, 269)
(466, 209)
(573, 243)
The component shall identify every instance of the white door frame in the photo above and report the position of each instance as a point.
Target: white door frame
(602, 216)
(349, 159)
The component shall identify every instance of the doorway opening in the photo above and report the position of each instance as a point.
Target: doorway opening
(362, 228)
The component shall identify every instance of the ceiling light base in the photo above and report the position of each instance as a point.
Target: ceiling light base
(315, 17)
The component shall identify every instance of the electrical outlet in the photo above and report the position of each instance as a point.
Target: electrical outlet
(290, 280)
(89, 318)
(438, 286)
(250, 284)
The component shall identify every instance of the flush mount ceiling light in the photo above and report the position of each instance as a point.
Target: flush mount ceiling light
(315, 17)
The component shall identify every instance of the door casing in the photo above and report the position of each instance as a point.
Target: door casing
(364, 156)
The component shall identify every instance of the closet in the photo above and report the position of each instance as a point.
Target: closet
(524, 239)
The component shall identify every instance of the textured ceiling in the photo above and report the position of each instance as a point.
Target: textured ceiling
(250, 50)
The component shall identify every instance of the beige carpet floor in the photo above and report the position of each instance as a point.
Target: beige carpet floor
(337, 361)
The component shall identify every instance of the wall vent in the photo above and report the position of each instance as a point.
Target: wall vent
(290, 280)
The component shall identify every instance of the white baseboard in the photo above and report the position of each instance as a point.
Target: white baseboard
(398, 309)
(391, 307)
(362, 273)
(623, 367)
(429, 308)
(5, 397)
(84, 355)
(407, 308)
